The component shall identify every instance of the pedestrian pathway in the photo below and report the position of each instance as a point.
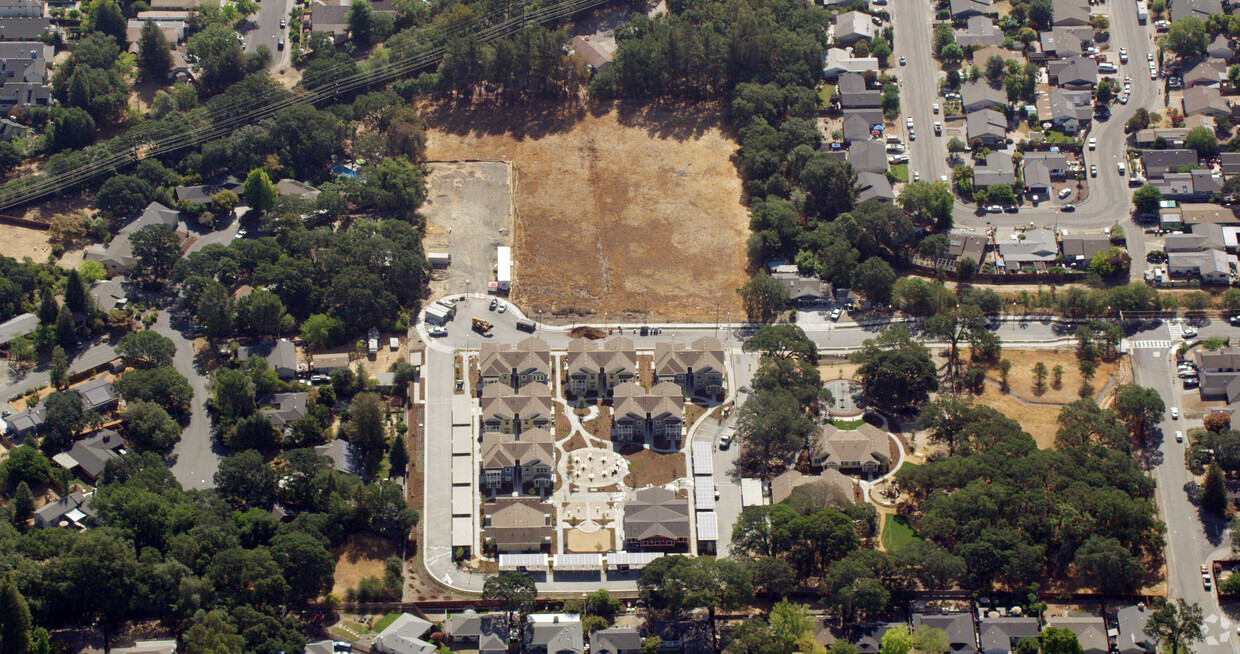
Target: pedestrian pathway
(1176, 328)
(1127, 345)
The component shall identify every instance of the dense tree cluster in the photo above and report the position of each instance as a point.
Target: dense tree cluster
(1016, 514)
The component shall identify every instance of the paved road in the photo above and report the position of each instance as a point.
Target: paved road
(196, 458)
(919, 87)
(1192, 537)
(263, 28)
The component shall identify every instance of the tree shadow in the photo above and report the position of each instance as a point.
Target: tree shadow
(537, 119)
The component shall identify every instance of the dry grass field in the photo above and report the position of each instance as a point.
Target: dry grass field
(622, 210)
(361, 556)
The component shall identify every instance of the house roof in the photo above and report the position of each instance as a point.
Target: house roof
(1063, 105)
(869, 638)
(516, 522)
(1230, 162)
(1210, 262)
(634, 402)
(167, 646)
(656, 513)
(52, 513)
(1038, 245)
(330, 361)
(1130, 623)
(873, 186)
(591, 53)
(1070, 12)
(1085, 246)
(502, 402)
(343, 455)
(852, 25)
(1220, 47)
(320, 647)
(556, 634)
(530, 447)
(980, 92)
(17, 327)
(1194, 213)
(107, 293)
(986, 123)
(972, 246)
(1037, 174)
(93, 453)
(615, 640)
(1091, 631)
(283, 408)
(404, 636)
(1205, 100)
(528, 356)
(783, 485)
(965, 8)
(1197, 8)
(330, 18)
(491, 629)
(803, 287)
(1074, 70)
(1205, 71)
(1000, 634)
(280, 354)
(997, 169)
(980, 30)
(865, 444)
(854, 92)
(961, 638)
(867, 156)
(1063, 41)
(838, 60)
(96, 393)
(23, 28)
(982, 55)
(589, 357)
(296, 189)
(857, 128)
(1205, 236)
(704, 354)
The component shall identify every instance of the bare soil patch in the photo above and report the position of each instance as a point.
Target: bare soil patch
(22, 242)
(1039, 420)
(645, 370)
(576, 540)
(599, 427)
(692, 413)
(1021, 381)
(624, 210)
(361, 556)
(838, 370)
(650, 468)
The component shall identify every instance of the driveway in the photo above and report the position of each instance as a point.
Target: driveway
(196, 458)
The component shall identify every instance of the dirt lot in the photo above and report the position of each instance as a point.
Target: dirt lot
(1037, 419)
(21, 242)
(1021, 381)
(648, 468)
(468, 215)
(621, 210)
(360, 557)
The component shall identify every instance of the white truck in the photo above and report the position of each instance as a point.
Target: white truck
(372, 338)
(1143, 13)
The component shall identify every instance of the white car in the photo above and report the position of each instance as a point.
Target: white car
(503, 308)
(1120, 167)
(1149, 56)
(936, 107)
(1065, 193)
(1190, 333)
(437, 331)
(1179, 437)
(1123, 99)
(1175, 413)
(1153, 73)
(916, 176)
(1123, 55)
(1093, 143)
(835, 315)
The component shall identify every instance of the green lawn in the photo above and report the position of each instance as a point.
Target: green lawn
(387, 620)
(899, 172)
(1057, 137)
(897, 533)
(825, 91)
(847, 425)
(905, 467)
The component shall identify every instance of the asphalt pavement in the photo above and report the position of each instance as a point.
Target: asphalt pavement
(263, 28)
(196, 458)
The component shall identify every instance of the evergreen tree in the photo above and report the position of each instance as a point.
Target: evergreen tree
(14, 620)
(60, 368)
(66, 335)
(398, 457)
(48, 308)
(75, 293)
(106, 17)
(1214, 491)
(154, 57)
(23, 505)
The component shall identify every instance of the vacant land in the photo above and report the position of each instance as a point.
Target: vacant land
(1038, 420)
(1021, 380)
(361, 556)
(649, 468)
(468, 215)
(22, 242)
(621, 210)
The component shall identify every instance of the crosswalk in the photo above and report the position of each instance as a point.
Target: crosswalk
(1176, 328)
(1127, 345)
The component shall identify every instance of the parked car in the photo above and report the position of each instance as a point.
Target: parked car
(437, 331)
(1068, 208)
(1179, 437)
(494, 303)
(1011, 208)
(725, 440)
(503, 308)
(1120, 167)
(1123, 99)
(936, 107)
(1190, 333)
(1093, 143)
(1065, 193)
(1175, 413)
(283, 23)
(995, 208)
(835, 315)
(1123, 55)
(1093, 170)
(938, 129)
(916, 176)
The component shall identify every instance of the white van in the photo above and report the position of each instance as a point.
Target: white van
(1107, 68)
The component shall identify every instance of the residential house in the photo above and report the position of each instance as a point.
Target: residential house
(1219, 373)
(1055, 163)
(656, 520)
(21, 8)
(1090, 630)
(1068, 111)
(1070, 13)
(281, 356)
(72, 511)
(24, 28)
(1220, 48)
(1207, 213)
(961, 638)
(522, 463)
(866, 449)
(404, 636)
(320, 647)
(869, 638)
(987, 125)
(1197, 185)
(343, 455)
(967, 246)
(595, 57)
(1130, 621)
(1064, 42)
(118, 255)
(332, 19)
(282, 409)
(803, 290)
(1207, 72)
(91, 454)
(979, 31)
(1230, 163)
(173, 34)
(1171, 136)
(24, 424)
(1038, 247)
(1205, 100)
(294, 188)
(837, 61)
(657, 413)
(853, 26)
(874, 186)
(489, 633)
(1208, 236)
(1196, 8)
(98, 395)
(325, 363)
(867, 157)
(616, 640)
(970, 8)
(10, 130)
(698, 367)
(995, 169)
(25, 69)
(109, 294)
(830, 479)
(983, 55)
(518, 524)
(980, 94)
(1160, 162)
(854, 93)
(596, 368)
(1211, 266)
(1000, 635)
(857, 128)
(1080, 250)
(558, 633)
(167, 646)
(515, 365)
(512, 412)
(203, 193)
(14, 328)
(1073, 73)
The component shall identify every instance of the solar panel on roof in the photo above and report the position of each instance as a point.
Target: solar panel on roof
(707, 526)
(704, 493)
(703, 463)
